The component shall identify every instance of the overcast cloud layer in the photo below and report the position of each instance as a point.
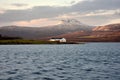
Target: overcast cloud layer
(101, 10)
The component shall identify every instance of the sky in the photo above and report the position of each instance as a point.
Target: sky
(40, 13)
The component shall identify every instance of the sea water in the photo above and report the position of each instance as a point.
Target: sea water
(90, 61)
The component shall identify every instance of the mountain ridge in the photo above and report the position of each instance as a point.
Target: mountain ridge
(110, 27)
(71, 29)
(41, 32)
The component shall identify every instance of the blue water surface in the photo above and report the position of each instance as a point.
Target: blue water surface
(90, 61)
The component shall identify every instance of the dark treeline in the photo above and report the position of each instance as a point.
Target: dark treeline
(8, 37)
(18, 40)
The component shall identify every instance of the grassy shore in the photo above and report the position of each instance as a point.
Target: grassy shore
(22, 41)
(19, 41)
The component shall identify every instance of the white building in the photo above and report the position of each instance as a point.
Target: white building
(58, 39)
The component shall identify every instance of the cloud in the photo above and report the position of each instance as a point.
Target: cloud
(92, 5)
(98, 17)
(2, 11)
(37, 22)
(114, 21)
(19, 5)
(72, 2)
(103, 13)
(34, 13)
(85, 9)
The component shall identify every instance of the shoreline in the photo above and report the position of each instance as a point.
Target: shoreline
(34, 42)
(41, 42)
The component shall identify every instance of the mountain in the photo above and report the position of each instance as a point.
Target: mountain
(64, 27)
(107, 33)
(73, 25)
(71, 29)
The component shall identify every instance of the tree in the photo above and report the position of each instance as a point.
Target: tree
(0, 35)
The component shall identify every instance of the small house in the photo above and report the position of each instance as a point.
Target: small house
(58, 39)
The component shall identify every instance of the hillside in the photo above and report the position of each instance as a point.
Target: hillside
(70, 29)
(65, 26)
(108, 33)
(110, 27)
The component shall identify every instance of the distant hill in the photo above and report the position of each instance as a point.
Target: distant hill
(107, 33)
(71, 29)
(65, 26)
(110, 27)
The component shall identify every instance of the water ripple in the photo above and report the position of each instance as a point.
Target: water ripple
(93, 61)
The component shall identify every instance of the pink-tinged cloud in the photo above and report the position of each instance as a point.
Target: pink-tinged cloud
(114, 21)
(37, 22)
(2, 11)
